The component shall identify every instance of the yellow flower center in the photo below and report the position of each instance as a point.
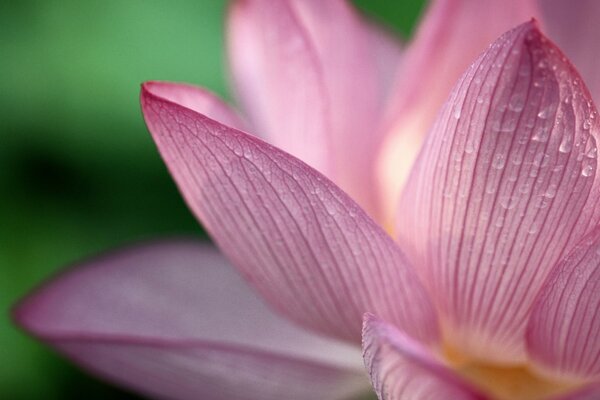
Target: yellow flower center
(519, 382)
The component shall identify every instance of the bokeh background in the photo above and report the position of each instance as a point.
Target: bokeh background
(78, 171)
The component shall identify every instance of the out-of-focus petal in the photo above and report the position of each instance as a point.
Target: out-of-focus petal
(402, 369)
(174, 320)
(575, 28)
(199, 100)
(308, 248)
(590, 392)
(307, 73)
(452, 35)
(506, 184)
(388, 56)
(563, 335)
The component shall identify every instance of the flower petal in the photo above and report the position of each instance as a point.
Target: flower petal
(563, 335)
(307, 74)
(504, 187)
(174, 320)
(388, 56)
(453, 33)
(308, 248)
(590, 392)
(402, 369)
(576, 30)
(199, 100)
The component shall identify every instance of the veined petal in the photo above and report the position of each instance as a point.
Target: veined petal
(199, 100)
(575, 28)
(402, 369)
(174, 320)
(307, 74)
(506, 184)
(563, 335)
(308, 248)
(453, 33)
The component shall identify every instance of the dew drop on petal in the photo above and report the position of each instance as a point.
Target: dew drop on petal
(508, 202)
(587, 170)
(469, 147)
(592, 153)
(551, 191)
(540, 135)
(545, 113)
(498, 161)
(566, 144)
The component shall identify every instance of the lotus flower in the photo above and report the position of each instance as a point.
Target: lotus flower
(482, 282)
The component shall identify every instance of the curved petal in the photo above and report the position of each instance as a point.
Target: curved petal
(308, 76)
(199, 100)
(308, 248)
(576, 30)
(174, 320)
(452, 35)
(563, 335)
(505, 185)
(402, 369)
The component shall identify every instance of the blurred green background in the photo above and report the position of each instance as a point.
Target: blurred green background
(78, 171)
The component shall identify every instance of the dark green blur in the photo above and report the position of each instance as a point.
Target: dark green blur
(78, 170)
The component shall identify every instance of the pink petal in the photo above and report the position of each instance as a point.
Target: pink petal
(308, 248)
(504, 187)
(563, 335)
(575, 28)
(307, 74)
(452, 35)
(199, 100)
(388, 56)
(174, 320)
(402, 369)
(590, 392)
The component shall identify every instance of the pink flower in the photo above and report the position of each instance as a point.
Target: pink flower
(491, 288)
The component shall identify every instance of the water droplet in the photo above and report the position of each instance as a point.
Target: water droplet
(469, 147)
(509, 126)
(587, 124)
(533, 228)
(545, 113)
(517, 102)
(566, 144)
(587, 170)
(490, 188)
(524, 188)
(516, 158)
(508, 202)
(551, 191)
(540, 135)
(592, 153)
(457, 111)
(498, 161)
(541, 202)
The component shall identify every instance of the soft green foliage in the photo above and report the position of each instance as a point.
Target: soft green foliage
(78, 171)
